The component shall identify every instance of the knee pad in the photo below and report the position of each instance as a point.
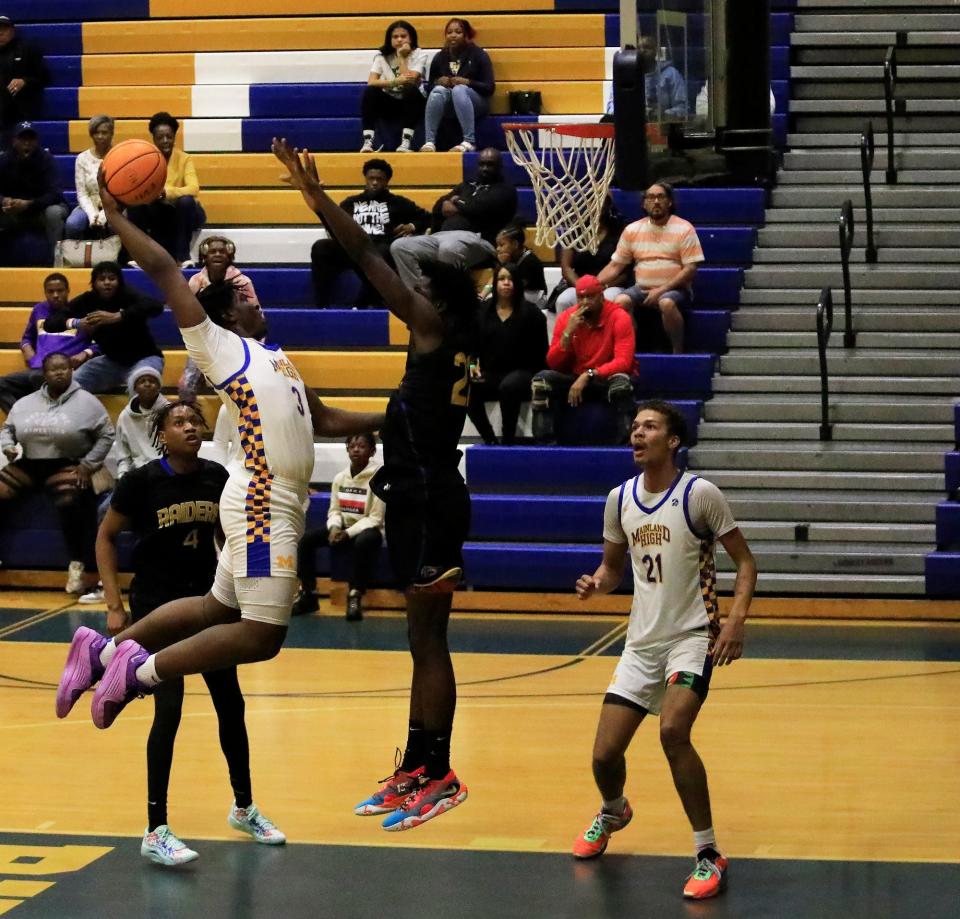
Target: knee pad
(539, 394)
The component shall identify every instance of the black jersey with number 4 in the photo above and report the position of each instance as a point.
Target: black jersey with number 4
(424, 421)
(174, 518)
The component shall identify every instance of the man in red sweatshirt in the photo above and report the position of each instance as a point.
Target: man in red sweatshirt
(591, 358)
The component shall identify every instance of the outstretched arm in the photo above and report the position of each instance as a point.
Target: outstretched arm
(336, 422)
(407, 305)
(155, 261)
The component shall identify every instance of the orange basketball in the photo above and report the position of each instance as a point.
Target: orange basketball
(134, 172)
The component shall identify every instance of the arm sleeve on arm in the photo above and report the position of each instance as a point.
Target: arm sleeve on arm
(709, 510)
(612, 527)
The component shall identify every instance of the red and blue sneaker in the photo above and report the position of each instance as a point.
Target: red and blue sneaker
(82, 670)
(119, 684)
(433, 798)
(395, 790)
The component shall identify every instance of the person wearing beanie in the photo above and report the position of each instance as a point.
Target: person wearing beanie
(136, 445)
(591, 358)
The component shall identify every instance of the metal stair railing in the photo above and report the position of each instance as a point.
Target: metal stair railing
(867, 150)
(889, 91)
(824, 328)
(846, 230)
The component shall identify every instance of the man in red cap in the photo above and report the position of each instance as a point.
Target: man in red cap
(591, 358)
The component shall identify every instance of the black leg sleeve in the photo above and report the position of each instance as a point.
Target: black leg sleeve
(228, 701)
(167, 706)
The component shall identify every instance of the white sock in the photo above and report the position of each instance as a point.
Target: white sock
(704, 839)
(616, 806)
(109, 649)
(368, 135)
(407, 133)
(147, 671)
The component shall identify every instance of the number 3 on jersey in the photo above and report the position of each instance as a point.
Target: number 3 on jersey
(653, 561)
(460, 394)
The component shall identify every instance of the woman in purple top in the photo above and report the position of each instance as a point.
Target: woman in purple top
(37, 343)
(461, 81)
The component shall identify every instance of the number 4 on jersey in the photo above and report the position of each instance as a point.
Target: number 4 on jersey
(192, 540)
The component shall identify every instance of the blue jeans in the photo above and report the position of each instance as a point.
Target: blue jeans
(467, 104)
(77, 224)
(101, 373)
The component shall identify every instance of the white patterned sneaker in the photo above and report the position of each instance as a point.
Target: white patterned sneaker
(164, 847)
(94, 595)
(74, 578)
(250, 820)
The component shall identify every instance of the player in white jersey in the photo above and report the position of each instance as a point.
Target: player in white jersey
(667, 521)
(244, 617)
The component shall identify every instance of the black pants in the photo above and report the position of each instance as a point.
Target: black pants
(171, 224)
(511, 390)
(328, 259)
(224, 689)
(360, 555)
(550, 389)
(404, 112)
(15, 386)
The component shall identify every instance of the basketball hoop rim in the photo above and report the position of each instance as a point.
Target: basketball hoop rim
(599, 130)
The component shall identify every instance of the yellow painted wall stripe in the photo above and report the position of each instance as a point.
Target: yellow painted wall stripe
(164, 9)
(135, 101)
(504, 30)
(399, 333)
(138, 70)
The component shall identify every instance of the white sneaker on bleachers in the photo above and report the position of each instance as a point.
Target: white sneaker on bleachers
(405, 146)
(428, 148)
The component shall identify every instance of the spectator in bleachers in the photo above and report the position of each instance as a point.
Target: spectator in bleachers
(461, 83)
(89, 212)
(31, 196)
(384, 217)
(393, 92)
(354, 530)
(136, 444)
(664, 251)
(591, 357)
(23, 75)
(117, 318)
(664, 86)
(64, 434)
(216, 258)
(38, 341)
(465, 223)
(173, 218)
(511, 245)
(574, 265)
(512, 348)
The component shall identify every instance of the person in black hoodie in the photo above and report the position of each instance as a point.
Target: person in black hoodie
(513, 347)
(383, 216)
(23, 75)
(461, 82)
(116, 317)
(31, 197)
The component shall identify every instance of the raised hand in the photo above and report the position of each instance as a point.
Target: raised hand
(301, 171)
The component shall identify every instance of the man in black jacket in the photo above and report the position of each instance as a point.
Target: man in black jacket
(31, 197)
(117, 319)
(465, 223)
(384, 217)
(23, 75)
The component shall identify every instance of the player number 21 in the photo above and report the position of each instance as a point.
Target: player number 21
(653, 561)
(460, 394)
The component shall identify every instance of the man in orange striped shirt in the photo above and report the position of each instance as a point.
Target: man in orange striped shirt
(664, 251)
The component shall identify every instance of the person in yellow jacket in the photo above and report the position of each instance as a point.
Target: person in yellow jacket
(177, 214)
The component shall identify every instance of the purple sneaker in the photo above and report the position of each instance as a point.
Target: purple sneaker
(82, 670)
(119, 683)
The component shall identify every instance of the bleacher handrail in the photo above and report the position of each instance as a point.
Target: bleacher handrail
(846, 230)
(889, 91)
(867, 150)
(824, 328)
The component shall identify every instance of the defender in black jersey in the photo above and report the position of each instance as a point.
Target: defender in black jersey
(428, 506)
(172, 507)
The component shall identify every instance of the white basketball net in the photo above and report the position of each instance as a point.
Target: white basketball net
(571, 175)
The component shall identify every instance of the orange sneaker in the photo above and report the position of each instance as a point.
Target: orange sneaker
(593, 840)
(707, 880)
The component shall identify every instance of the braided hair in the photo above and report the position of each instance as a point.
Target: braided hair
(160, 421)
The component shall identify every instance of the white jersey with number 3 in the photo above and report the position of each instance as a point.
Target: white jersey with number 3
(670, 536)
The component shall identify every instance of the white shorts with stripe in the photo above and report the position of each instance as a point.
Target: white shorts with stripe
(642, 673)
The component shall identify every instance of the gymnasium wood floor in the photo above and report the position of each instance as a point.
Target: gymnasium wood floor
(832, 750)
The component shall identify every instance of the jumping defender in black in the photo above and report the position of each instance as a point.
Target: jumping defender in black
(172, 507)
(428, 506)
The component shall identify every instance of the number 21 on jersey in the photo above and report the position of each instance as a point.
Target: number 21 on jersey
(460, 394)
(654, 568)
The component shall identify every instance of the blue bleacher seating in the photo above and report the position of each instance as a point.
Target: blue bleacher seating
(940, 571)
(75, 10)
(952, 471)
(53, 38)
(948, 523)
